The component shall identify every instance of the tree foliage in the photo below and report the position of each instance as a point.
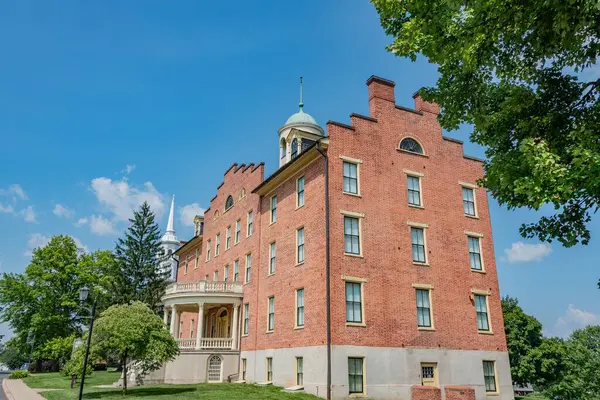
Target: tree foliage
(133, 332)
(136, 274)
(43, 302)
(12, 357)
(58, 349)
(522, 73)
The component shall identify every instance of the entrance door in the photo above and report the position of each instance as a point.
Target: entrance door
(222, 325)
(215, 369)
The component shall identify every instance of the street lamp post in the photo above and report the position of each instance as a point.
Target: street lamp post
(83, 295)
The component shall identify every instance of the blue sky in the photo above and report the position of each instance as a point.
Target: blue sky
(106, 104)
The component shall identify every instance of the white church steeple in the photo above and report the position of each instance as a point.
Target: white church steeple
(170, 243)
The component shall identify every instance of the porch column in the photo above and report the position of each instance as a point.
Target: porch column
(173, 314)
(234, 327)
(200, 325)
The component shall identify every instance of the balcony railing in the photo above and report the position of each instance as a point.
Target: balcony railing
(204, 287)
(205, 344)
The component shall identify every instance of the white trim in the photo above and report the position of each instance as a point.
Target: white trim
(354, 279)
(351, 160)
(468, 185)
(474, 234)
(413, 173)
(352, 214)
(424, 286)
(417, 224)
(481, 292)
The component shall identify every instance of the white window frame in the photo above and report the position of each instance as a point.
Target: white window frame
(250, 223)
(358, 163)
(434, 382)
(364, 377)
(298, 244)
(429, 289)
(208, 250)
(361, 282)
(236, 270)
(246, 320)
(238, 231)
(479, 237)
(424, 227)
(217, 244)
(296, 314)
(243, 369)
(228, 238)
(497, 391)
(473, 188)
(248, 268)
(273, 209)
(268, 369)
(486, 294)
(226, 273)
(360, 217)
(272, 257)
(298, 203)
(297, 363)
(418, 176)
(197, 258)
(270, 301)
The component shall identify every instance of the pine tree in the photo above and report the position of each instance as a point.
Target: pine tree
(137, 273)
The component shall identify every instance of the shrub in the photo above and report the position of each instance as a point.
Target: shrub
(18, 375)
(75, 365)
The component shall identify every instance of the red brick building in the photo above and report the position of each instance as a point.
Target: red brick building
(384, 215)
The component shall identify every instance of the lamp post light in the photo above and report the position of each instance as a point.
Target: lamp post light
(83, 295)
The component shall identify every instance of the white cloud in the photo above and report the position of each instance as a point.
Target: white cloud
(36, 240)
(188, 212)
(128, 169)
(574, 318)
(102, 226)
(14, 190)
(523, 253)
(28, 215)
(7, 209)
(81, 221)
(121, 199)
(62, 211)
(80, 246)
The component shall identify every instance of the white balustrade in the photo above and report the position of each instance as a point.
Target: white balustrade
(186, 344)
(205, 343)
(204, 287)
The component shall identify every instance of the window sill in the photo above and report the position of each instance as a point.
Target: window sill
(479, 271)
(485, 332)
(422, 264)
(416, 206)
(352, 194)
(268, 332)
(245, 335)
(492, 393)
(299, 264)
(298, 327)
(357, 324)
(271, 274)
(357, 395)
(471, 216)
(271, 223)
(354, 255)
(246, 283)
(424, 328)
(299, 207)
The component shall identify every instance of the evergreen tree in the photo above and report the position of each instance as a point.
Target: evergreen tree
(137, 274)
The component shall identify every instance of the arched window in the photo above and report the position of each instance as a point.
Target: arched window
(282, 149)
(229, 202)
(242, 193)
(410, 144)
(294, 148)
(214, 370)
(216, 214)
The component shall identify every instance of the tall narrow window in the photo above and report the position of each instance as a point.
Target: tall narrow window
(489, 376)
(353, 302)
(350, 177)
(300, 245)
(269, 369)
(238, 231)
(208, 250)
(474, 253)
(299, 371)
(272, 255)
(226, 273)
(185, 264)
(246, 318)
(273, 208)
(351, 235)
(423, 309)
(206, 277)
(229, 202)
(414, 190)
(299, 307)
(483, 323)
(271, 316)
(250, 223)
(243, 369)
(282, 149)
(197, 258)
(469, 201)
(300, 192)
(294, 148)
(192, 324)
(248, 267)
(216, 276)
(180, 329)
(418, 244)
(236, 270)
(356, 382)
(228, 238)
(217, 244)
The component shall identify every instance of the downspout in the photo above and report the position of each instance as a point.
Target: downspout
(327, 268)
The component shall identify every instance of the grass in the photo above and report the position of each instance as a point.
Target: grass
(157, 392)
(533, 396)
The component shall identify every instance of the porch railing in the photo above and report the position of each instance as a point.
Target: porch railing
(205, 344)
(204, 287)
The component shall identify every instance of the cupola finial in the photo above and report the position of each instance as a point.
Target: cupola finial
(301, 103)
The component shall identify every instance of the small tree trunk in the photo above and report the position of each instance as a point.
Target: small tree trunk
(124, 362)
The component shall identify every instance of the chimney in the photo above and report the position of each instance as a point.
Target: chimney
(380, 89)
(424, 106)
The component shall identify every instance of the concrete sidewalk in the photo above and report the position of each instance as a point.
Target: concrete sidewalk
(16, 389)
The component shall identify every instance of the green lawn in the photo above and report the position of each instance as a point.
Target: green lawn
(224, 391)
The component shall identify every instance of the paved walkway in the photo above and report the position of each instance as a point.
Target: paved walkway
(15, 389)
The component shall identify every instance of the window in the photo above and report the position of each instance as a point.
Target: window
(238, 231)
(299, 371)
(423, 309)
(228, 202)
(271, 312)
(226, 273)
(294, 148)
(489, 376)
(228, 238)
(197, 258)
(272, 254)
(354, 302)
(351, 235)
(475, 253)
(414, 190)
(185, 264)
(483, 323)
(192, 329)
(300, 246)
(273, 208)
(216, 276)
(355, 375)
(410, 144)
(269, 369)
(248, 267)
(217, 244)
(299, 307)
(282, 149)
(250, 223)
(206, 277)
(242, 193)
(216, 215)
(246, 318)
(180, 329)
(300, 192)
(350, 177)
(418, 244)
(236, 270)
(469, 201)
(243, 369)
(208, 250)
(429, 374)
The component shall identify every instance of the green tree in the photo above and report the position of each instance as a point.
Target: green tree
(12, 357)
(523, 333)
(132, 332)
(136, 273)
(58, 349)
(43, 302)
(521, 73)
